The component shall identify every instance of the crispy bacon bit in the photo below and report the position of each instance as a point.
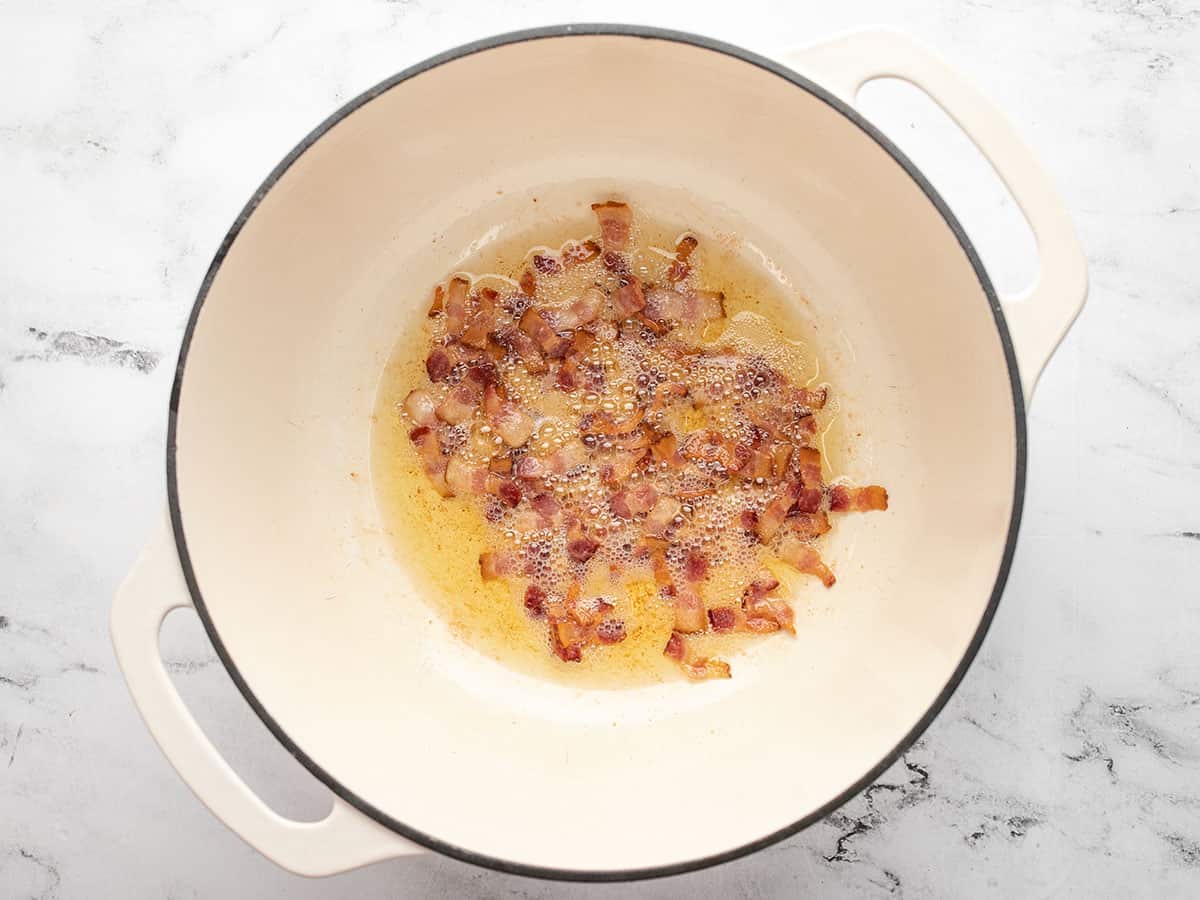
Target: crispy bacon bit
(801, 556)
(484, 322)
(574, 254)
(807, 526)
(438, 365)
(813, 399)
(628, 299)
(583, 311)
(546, 265)
(455, 304)
(615, 221)
(704, 306)
(857, 499)
(679, 268)
(465, 479)
(535, 600)
(545, 506)
(808, 500)
(495, 564)
(749, 520)
(666, 449)
(703, 669)
(723, 618)
(809, 462)
(420, 407)
(664, 305)
(689, 612)
(534, 324)
(695, 567)
(526, 348)
(634, 502)
(676, 646)
(615, 263)
(513, 424)
(611, 631)
(531, 467)
(457, 406)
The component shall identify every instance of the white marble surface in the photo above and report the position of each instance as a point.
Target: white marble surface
(1068, 763)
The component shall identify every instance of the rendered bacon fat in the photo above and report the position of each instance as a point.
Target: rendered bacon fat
(582, 405)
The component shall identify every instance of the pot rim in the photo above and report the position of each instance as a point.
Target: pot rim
(550, 872)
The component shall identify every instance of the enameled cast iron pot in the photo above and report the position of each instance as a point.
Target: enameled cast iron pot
(424, 742)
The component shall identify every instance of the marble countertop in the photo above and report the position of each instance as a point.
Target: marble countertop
(1068, 762)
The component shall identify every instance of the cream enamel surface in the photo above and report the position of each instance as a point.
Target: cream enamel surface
(328, 630)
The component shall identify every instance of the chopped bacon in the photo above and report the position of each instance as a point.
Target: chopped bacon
(690, 616)
(534, 324)
(768, 614)
(781, 455)
(590, 613)
(513, 424)
(420, 407)
(535, 600)
(484, 322)
(501, 465)
(773, 517)
(664, 305)
(801, 556)
(813, 399)
(622, 464)
(524, 347)
(508, 491)
(752, 464)
(607, 424)
(708, 446)
(438, 365)
(764, 582)
(566, 639)
(628, 299)
(640, 438)
(679, 268)
(546, 265)
(695, 566)
(528, 283)
(615, 221)
(439, 294)
(703, 669)
(455, 305)
(615, 263)
(748, 520)
(666, 449)
(809, 461)
(580, 546)
(662, 516)
(807, 526)
(567, 457)
(676, 647)
(633, 502)
(857, 499)
(531, 467)
(723, 618)
(457, 406)
(582, 311)
(465, 479)
(662, 574)
(808, 500)
(546, 507)
(574, 254)
(704, 306)
(611, 631)
(495, 564)
(429, 449)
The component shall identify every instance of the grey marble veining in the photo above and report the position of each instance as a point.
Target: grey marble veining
(1068, 762)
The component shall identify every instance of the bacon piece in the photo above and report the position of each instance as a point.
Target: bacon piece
(495, 564)
(807, 526)
(580, 546)
(509, 492)
(513, 424)
(455, 305)
(633, 502)
(701, 307)
(815, 399)
(429, 449)
(457, 406)
(703, 669)
(435, 307)
(664, 305)
(531, 467)
(640, 438)
(525, 347)
(438, 365)
(679, 268)
(535, 600)
(748, 520)
(501, 465)
(707, 446)
(465, 479)
(781, 455)
(590, 613)
(616, 263)
(690, 616)
(575, 254)
(808, 500)
(676, 647)
(759, 607)
(535, 324)
(809, 462)
(628, 299)
(546, 507)
(420, 407)
(772, 518)
(582, 311)
(723, 618)
(666, 449)
(843, 498)
(801, 556)
(484, 322)
(606, 423)
(546, 265)
(567, 457)
(662, 516)
(566, 639)
(695, 567)
(621, 465)
(615, 221)
(756, 465)
(610, 631)
(528, 283)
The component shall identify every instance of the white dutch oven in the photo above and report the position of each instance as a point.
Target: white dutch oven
(425, 742)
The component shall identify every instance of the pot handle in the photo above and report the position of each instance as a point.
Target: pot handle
(1040, 317)
(344, 839)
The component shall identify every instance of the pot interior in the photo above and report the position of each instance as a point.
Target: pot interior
(329, 631)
